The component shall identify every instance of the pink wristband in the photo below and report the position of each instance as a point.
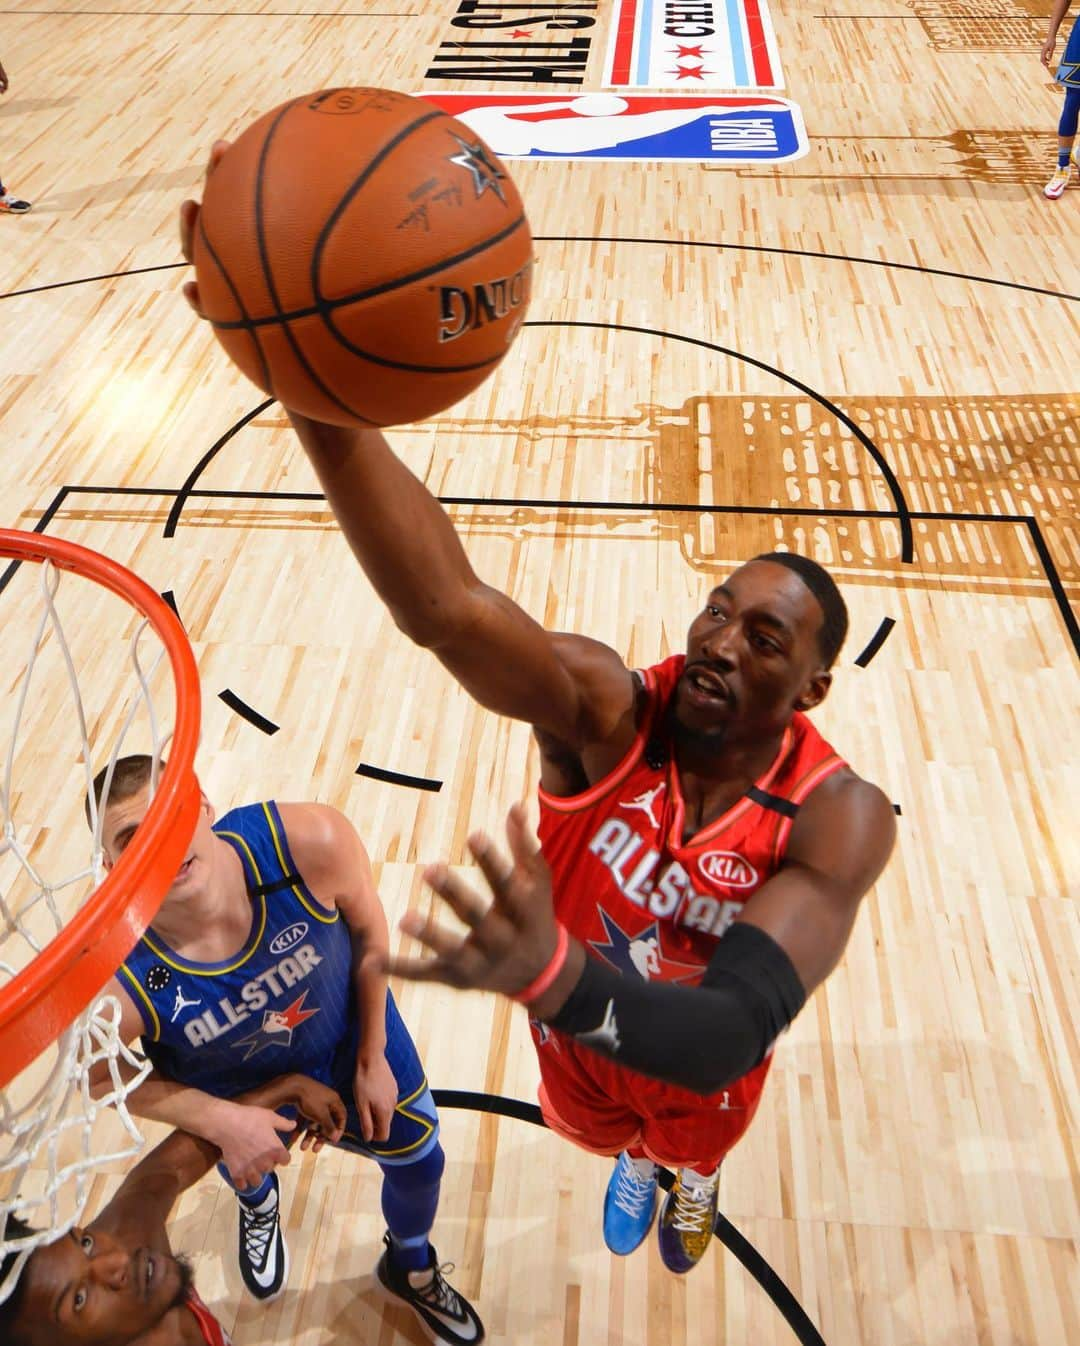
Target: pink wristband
(536, 988)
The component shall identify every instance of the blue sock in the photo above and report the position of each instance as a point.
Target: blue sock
(250, 1196)
(410, 1198)
(1063, 158)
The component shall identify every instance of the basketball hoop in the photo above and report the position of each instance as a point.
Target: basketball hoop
(62, 938)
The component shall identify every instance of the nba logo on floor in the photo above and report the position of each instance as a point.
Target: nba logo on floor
(627, 127)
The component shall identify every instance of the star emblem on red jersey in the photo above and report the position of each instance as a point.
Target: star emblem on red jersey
(277, 1028)
(641, 954)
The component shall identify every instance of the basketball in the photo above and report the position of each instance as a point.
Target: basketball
(363, 257)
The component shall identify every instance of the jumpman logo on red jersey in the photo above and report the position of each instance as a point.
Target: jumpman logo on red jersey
(644, 802)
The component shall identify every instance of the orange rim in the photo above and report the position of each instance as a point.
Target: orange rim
(45, 997)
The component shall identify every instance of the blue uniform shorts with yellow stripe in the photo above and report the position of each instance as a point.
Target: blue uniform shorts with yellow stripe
(414, 1132)
(1069, 69)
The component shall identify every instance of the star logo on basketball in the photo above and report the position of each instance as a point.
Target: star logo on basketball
(728, 868)
(277, 1028)
(478, 160)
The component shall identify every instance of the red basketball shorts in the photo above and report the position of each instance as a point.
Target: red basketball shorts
(605, 1108)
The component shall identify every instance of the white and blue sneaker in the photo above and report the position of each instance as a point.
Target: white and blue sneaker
(630, 1204)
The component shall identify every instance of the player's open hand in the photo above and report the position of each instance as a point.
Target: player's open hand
(189, 219)
(510, 939)
(252, 1145)
(1047, 53)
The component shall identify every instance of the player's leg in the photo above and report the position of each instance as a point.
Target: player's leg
(1067, 127)
(579, 1106)
(412, 1162)
(262, 1252)
(10, 204)
(693, 1140)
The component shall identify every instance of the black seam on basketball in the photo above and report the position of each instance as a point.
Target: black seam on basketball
(268, 383)
(260, 235)
(325, 306)
(420, 369)
(328, 305)
(320, 243)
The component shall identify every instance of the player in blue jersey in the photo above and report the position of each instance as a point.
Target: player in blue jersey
(1068, 76)
(251, 968)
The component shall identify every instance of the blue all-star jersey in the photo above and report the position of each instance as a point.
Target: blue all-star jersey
(284, 1002)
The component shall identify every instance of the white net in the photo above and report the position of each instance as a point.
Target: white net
(84, 691)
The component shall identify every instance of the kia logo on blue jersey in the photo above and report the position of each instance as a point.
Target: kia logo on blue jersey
(621, 128)
(289, 938)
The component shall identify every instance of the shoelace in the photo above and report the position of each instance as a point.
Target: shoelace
(258, 1231)
(438, 1295)
(631, 1191)
(693, 1209)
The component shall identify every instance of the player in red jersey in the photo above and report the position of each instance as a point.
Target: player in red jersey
(116, 1281)
(699, 830)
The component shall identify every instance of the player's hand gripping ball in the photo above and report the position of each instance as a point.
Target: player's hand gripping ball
(363, 257)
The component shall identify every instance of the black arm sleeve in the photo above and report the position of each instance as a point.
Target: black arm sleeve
(701, 1038)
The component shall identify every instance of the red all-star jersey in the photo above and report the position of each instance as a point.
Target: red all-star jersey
(626, 883)
(213, 1333)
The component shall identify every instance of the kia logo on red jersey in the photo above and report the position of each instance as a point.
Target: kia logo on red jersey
(728, 868)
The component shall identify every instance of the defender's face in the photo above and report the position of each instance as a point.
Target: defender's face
(752, 656)
(122, 820)
(88, 1289)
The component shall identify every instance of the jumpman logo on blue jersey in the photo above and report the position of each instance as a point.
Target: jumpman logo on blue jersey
(277, 1028)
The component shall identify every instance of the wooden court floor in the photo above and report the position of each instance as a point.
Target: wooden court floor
(869, 354)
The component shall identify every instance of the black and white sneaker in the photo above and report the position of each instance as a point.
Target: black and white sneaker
(263, 1252)
(445, 1315)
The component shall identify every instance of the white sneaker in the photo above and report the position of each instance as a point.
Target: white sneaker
(1057, 184)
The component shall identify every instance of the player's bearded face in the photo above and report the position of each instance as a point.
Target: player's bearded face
(752, 657)
(89, 1289)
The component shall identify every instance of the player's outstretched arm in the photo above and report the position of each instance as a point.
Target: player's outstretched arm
(248, 1135)
(790, 935)
(142, 1202)
(407, 547)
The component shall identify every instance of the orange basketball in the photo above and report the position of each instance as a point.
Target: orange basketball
(363, 257)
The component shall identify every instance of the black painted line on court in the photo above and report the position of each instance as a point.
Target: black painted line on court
(818, 256)
(903, 514)
(736, 1243)
(1054, 579)
(398, 778)
(170, 598)
(807, 253)
(896, 810)
(89, 280)
(1050, 573)
(40, 527)
(876, 641)
(204, 462)
(248, 712)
